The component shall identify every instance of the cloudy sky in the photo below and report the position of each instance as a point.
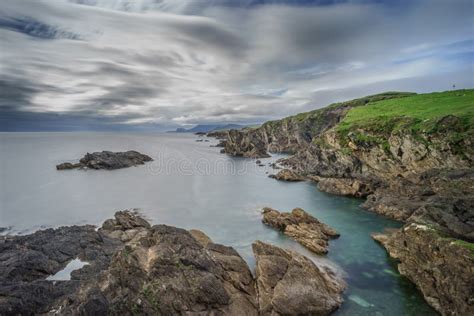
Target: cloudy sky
(158, 64)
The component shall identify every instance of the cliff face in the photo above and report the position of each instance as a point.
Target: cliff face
(293, 133)
(412, 157)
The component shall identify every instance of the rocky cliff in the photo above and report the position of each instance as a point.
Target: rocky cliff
(295, 132)
(410, 156)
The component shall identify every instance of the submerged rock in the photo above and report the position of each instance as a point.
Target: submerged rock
(291, 284)
(302, 227)
(287, 175)
(136, 268)
(107, 160)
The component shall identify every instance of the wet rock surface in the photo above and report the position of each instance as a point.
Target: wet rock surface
(107, 160)
(136, 268)
(291, 284)
(302, 227)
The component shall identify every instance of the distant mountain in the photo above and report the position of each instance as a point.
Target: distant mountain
(202, 128)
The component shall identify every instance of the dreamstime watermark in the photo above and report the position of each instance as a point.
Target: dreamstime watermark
(200, 164)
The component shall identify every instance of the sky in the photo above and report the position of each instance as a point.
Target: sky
(159, 64)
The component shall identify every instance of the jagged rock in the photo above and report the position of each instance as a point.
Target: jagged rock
(287, 175)
(341, 186)
(291, 284)
(169, 272)
(68, 165)
(136, 268)
(238, 144)
(441, 267)
(201, 237)
(26, 261)
(108, 160)
(302, 227)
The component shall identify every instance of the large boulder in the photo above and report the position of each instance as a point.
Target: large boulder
(107, 160)
(302, 227)
(291, 284)
(169, 272)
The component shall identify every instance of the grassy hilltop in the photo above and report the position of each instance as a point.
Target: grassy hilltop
(422, 111)
(449, 115)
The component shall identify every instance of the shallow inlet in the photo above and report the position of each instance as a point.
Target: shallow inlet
(192, 185)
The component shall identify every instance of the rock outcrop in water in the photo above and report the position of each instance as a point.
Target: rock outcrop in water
(441, 267)
(107, 160)
(302, 227)
(290, 284)
(136, 268)
(411, 168)
(287, 175)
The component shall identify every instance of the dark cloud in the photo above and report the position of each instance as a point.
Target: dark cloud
(145, 63)
(36, 29)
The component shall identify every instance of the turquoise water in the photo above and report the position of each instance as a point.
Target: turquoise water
(192, 185)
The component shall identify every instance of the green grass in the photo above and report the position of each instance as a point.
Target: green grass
(315, 114)
(418, 113)
(465, 244)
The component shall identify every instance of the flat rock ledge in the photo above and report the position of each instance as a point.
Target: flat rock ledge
(138, 269)
(302, 227)
(107, 160)
(287, 175)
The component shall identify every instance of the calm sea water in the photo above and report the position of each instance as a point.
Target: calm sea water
(192, 185)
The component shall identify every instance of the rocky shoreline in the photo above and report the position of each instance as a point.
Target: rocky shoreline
(420, 176)
(136, 268)
(107, 160)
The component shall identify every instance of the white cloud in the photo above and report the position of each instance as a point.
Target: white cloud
(136, 63)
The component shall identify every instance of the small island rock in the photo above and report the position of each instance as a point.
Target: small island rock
(107, 160)
(302, 227)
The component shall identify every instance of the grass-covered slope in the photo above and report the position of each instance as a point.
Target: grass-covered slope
(303, 127)
(419, 112)
(448, 115)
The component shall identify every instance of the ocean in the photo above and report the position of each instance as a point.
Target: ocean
(192, 185)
